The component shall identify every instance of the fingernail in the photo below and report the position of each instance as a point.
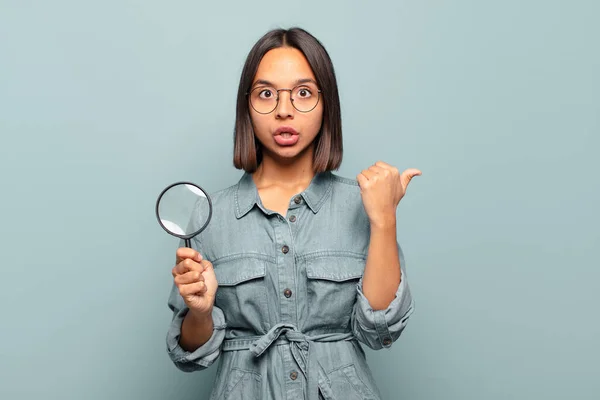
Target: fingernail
(199, 257)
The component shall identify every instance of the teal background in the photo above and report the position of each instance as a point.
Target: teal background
(102, 104)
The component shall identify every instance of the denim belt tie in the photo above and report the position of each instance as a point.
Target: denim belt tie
(301, 348)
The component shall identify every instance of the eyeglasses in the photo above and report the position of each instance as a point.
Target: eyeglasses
(304, 98)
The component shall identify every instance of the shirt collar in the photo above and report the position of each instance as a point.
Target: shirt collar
(246, 193)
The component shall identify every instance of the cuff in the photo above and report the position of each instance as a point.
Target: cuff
(381, 328)
(204, 355)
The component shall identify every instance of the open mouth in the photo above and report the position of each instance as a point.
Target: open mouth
(286, 131)
(286, 136)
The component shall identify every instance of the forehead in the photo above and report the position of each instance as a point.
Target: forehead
(283, 66)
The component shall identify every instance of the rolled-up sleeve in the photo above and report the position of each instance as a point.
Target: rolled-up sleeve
(381, 328)
(208, 353)
(203, 356)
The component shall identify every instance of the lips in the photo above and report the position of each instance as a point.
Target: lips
(286, 136)
(285, 130)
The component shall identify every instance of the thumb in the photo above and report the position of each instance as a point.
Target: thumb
(407, 175)
(210, 278)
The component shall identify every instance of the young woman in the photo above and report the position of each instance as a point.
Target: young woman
(299, 267)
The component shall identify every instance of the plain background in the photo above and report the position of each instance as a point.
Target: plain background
(102, 104)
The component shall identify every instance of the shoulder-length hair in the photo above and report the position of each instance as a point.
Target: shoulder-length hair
(247, 153)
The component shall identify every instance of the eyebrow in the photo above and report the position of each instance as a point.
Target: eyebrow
(296, 83)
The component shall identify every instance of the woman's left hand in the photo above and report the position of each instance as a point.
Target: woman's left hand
(382, 187)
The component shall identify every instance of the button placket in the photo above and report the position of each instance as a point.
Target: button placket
(285, 265)
(294, 209)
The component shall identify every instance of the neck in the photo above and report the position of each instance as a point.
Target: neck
(288, 173)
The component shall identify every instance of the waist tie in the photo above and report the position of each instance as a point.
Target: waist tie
(301, 348)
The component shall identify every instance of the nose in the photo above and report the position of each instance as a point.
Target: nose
(285, 109)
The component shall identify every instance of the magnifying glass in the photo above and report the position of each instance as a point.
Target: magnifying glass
(184, 209)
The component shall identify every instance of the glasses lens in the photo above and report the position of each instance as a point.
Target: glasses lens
(305, 97)
(263, 99)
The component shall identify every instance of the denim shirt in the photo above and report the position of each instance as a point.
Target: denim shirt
(290, 317)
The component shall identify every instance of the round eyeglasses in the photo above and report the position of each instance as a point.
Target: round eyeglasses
(304, 98)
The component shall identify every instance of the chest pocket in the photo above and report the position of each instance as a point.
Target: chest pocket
(242, 293)
(331, 290)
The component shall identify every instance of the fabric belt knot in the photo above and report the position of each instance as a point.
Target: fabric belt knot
(302, 351)
(265, 341)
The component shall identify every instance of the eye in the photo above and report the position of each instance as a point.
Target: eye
(303, 93)
(266, 94)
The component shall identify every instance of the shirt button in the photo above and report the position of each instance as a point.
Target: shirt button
(387, 341)
(285, 249)
(287, 293)
(297, 199)
(294, 375)
(292, 218)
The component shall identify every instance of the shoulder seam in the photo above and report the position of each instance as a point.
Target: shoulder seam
(344, 180)
(224, 190)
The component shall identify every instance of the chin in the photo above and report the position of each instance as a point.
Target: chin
(287, 154)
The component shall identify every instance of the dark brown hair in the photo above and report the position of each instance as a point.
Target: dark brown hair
(247, 154)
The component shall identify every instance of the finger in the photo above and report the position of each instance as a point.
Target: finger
(189, 277)
(185, 252)
(383, 165)
(369, 174)
(380, 170)
(362, 180)
(191, 265)
(388, 167)
(407, 176)
(179, 269)
(206, 265)
(187, 265)
(198, 288)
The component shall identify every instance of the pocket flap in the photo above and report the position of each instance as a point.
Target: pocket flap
(336, 269)
(234, 272)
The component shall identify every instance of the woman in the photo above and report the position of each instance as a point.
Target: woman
(299, 267)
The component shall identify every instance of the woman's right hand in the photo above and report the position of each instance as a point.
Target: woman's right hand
(196, 281)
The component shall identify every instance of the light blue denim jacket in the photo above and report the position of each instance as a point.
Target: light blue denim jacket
(290, 317)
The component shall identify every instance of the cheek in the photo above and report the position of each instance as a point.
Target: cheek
(259, 123)
(315, 121)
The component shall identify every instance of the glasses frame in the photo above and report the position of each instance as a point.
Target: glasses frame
(277, 101)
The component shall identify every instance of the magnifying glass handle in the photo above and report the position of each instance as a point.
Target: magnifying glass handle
(188, 243)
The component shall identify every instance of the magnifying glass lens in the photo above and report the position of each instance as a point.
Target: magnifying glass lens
(183, 210)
